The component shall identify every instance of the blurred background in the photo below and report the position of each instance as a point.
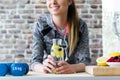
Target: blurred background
(16, 25)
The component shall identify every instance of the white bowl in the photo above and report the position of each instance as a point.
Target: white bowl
(113, 63)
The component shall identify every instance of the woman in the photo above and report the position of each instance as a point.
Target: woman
(63, 23)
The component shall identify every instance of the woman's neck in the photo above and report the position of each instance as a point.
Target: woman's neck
(60, 21)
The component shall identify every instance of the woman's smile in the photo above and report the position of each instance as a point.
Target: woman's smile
(55, 8)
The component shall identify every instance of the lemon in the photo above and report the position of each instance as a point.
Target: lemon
(54, 49)
(113, 54)
(101, 61)
(57, 51)
(60, 53)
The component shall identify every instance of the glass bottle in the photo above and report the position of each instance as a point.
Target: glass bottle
(57, 51)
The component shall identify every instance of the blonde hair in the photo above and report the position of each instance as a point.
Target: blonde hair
(73, 23)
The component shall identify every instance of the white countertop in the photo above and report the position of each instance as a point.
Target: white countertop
(77, 76)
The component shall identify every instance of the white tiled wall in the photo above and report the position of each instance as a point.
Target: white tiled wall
(110, 40)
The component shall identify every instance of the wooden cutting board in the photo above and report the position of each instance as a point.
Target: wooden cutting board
(103, 70)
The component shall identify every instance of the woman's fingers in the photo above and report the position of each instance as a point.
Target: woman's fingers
(61, 63)
(60, 68)
(50, 57)
(47, 66)
(49, 63)
(47, 70)
(63, 71)
(64, 68)
(51, 60)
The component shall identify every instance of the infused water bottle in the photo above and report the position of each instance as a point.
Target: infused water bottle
(57, 51)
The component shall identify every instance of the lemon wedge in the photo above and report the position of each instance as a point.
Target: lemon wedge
(101, 61)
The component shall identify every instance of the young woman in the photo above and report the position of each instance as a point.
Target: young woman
(63, 23)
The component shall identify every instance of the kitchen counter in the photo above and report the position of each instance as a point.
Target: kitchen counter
(76, 76)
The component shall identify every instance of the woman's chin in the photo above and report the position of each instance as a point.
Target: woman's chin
(55, 13)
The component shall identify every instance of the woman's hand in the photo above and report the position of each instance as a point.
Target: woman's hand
(65, 68)
(49, 64)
